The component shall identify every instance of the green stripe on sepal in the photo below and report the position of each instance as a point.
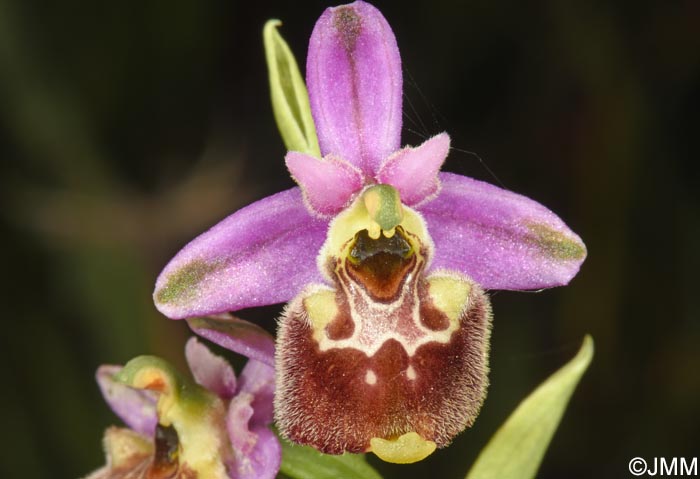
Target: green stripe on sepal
(556, 244)
(517, 448)
(182, 285)
(290, 100)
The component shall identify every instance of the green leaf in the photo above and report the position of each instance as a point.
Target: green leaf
(517, 448)
(290, 100)
(303, 462)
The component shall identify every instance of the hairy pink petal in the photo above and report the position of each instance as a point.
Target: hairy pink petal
(414, 171)
(258, 379)
(501, 239)
(209, 370)
(262, 254)
(257, 451)
(353, 73)
(136, 407)
(239, 414)
(327, 184)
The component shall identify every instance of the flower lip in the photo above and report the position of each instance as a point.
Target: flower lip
(382, 370)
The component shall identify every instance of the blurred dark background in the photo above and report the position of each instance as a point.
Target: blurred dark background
(129, 127)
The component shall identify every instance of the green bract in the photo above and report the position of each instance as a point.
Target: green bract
(290, 100)
(517, 448)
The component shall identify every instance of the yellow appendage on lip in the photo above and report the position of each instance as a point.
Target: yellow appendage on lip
(405, 449)
(450, 295)
(322, 309)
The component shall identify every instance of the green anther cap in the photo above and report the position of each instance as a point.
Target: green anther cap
(383, 205)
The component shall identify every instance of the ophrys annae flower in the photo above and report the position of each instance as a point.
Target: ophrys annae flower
(383, 260)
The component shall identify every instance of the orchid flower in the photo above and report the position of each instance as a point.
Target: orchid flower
(383, 260)
(215, 428)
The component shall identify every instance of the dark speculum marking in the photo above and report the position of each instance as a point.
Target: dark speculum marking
(430, 316)
(381, 265)
(342, 326)
(349, 26)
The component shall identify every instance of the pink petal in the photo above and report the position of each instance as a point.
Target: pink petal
(258, 379)
(414, 171)
(353, 73)
(136, 407)
(327, 184)
(210, 370)
(501, 239)
(257, 451)
(262, 254)
(237, 420)
(237, 335)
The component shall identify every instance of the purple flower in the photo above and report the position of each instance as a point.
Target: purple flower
(216, 428)
(382, 258)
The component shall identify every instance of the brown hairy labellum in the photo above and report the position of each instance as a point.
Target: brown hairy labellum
(387, 352)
